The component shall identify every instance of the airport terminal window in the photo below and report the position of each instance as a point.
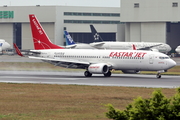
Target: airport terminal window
(175, 4)
(136, 5)
(91, 14)
(96, 14)
(68, 13)
(106, 14)
(87, 14)
(93, 21)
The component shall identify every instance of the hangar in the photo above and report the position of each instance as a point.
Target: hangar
(14, 23)
(152, 20)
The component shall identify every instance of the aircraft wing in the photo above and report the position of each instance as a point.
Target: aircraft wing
(71, 46)
(97, 44)
(64, 63)
(147, 48)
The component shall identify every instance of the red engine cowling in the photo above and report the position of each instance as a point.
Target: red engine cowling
(100, 68)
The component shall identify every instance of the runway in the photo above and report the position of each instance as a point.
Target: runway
(77, 78)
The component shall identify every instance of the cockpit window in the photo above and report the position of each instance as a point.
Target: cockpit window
(163, 57)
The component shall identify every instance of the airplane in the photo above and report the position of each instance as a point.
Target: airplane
(4, 45)
(153, 46)
(93, 60)
(70, 44)
(178, 49)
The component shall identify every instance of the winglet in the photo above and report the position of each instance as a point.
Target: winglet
(40, 38)
(69, 40)
(17, 50)
(134, 47)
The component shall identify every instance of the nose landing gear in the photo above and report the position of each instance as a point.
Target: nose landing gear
(158, 75)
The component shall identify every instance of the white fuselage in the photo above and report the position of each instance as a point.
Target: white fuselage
(117, 59)
(164, 48)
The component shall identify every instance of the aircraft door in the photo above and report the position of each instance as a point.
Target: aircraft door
(151, 59)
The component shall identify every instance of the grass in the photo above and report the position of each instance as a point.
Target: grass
(65, 102)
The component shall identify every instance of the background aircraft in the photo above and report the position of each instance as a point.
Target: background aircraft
(4, 45)
(100, 44)
(71, 44)
(178, 49)
(95, 61)
(153, 46)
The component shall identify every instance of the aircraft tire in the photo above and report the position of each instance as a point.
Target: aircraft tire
(108, 74)
(158, 75)
(87, 74)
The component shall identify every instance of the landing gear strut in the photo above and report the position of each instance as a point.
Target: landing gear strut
(158, 75)
(87, 74)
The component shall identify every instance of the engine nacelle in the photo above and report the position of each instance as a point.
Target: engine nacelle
(130, 71)
(100, 68)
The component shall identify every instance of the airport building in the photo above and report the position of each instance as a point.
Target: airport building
(152, 20)
(134, 21)
(15, 27)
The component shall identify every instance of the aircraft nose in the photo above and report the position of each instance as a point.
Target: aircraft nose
(172, 63)
(168, 48)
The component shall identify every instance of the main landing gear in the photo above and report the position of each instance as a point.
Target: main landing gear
(88, 74)
(108, 74)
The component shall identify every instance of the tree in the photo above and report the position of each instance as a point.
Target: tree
(158, 107)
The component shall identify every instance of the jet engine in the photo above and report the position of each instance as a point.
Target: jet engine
(100, 68)
(130, 71)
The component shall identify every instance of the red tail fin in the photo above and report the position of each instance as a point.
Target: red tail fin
(17, 50)
(134, 47)
(40, 39)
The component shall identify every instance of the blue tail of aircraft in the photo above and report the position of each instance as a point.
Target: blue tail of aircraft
(69, 40)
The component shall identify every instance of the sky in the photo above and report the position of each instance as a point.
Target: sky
(95, 3)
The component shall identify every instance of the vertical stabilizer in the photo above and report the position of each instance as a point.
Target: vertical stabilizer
(96, 36)
(69, 40)
(40, 38)
(17, 50)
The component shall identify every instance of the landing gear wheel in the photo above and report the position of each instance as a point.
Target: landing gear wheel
(87, 74)
(158, 75)
(108, 74)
